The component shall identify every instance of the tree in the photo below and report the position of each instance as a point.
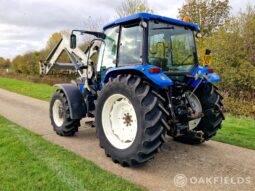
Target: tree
(233, 48)
(92, 24)
(248, 29)
(52, 42)
(208, 14)
(4, 63)
(130, 7)
(95, 23)
(27, 63)
(55, 38)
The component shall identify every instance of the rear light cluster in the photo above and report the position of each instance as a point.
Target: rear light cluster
(154, 70)
(210, 70)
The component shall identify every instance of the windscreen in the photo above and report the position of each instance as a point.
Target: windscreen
(171, 47)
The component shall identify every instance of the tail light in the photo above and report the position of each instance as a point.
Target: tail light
(154, 70)
(210, 70)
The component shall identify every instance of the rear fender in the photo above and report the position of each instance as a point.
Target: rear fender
(159, 79)
(75, 100)
(210, 77)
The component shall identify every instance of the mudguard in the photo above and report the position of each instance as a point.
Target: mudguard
(75, 100)
(211, 77)
(159, 79)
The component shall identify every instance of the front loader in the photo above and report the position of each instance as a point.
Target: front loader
(146, 84)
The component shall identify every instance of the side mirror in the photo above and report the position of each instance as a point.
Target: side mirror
(73, 41)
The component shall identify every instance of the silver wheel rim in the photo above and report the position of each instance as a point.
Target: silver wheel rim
(57, 110)
(119, 121)
(196, 105)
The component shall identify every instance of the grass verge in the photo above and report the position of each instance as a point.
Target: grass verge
(238, 131)
(28, 162)
(39, 91)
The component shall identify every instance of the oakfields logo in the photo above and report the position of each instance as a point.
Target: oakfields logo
(180, 180)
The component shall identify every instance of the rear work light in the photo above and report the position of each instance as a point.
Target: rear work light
(154, 70)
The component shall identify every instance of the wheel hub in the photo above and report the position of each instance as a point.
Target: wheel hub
(119, 121)
(127, 119)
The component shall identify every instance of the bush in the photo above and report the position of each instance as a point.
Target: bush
(241, 105)
(233, 48)
(27, 63)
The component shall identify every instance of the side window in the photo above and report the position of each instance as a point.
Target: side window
(130, 50)
(108, 51)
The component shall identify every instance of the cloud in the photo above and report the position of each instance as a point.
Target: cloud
(50, 14)
(26, 25)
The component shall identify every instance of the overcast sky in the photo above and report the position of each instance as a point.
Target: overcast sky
(25, 25)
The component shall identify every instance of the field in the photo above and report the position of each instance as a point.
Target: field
(29, 162)
(238, 131)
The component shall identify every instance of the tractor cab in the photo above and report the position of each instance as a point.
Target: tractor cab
(149, 40)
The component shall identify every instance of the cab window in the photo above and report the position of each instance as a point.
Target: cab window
(108, 50)
(130, 50)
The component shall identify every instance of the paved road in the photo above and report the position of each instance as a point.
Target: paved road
(210, 166)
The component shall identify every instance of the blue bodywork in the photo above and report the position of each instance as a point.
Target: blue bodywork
(159, 79)
(212, 77)
(147, 16)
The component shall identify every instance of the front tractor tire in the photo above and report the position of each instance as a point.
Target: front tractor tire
(130, 120)
(60, 118)
(212, 106)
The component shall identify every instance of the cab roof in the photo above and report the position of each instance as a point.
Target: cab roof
(148, 16)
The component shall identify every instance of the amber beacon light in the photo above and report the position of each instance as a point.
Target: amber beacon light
(186, 19)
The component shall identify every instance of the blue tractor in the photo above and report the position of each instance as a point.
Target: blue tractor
(145, 85)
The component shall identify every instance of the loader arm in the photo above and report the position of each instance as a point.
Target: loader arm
(77, 57)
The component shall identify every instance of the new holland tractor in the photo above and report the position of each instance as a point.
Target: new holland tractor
(145, 85)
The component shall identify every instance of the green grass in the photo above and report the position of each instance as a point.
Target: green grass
(238, 131)
(28, 162)
(39, 91)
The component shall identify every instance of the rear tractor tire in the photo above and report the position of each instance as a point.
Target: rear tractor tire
(130, 120)
(61, 121)
(212, 106)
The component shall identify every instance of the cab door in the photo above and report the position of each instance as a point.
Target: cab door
(108, 51)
